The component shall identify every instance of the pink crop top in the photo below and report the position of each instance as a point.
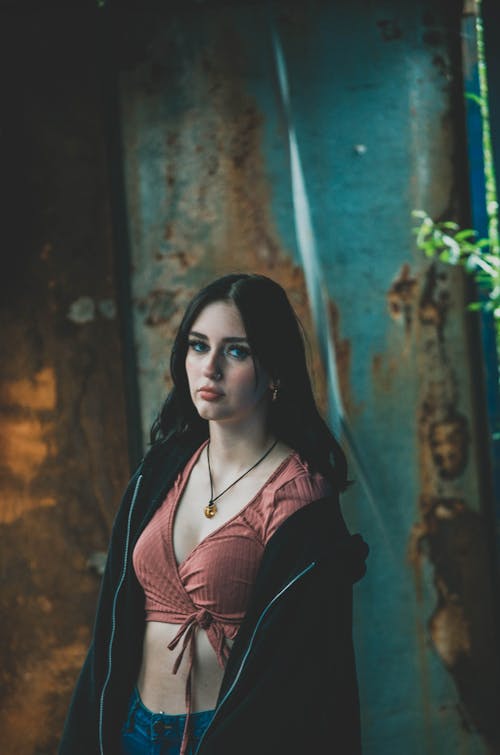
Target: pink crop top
(210, 588)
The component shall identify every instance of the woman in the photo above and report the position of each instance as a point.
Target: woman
(224, 618)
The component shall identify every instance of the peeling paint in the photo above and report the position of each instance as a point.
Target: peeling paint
(97, 562)
(360, 149)
(82, 310)
(449, 440)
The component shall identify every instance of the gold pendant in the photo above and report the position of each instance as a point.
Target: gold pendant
(210, 510)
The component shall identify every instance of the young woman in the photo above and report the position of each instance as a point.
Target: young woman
(224, 618)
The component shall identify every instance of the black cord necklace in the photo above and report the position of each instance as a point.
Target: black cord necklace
(211, 508)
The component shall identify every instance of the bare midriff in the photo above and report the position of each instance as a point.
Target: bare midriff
(160, 689)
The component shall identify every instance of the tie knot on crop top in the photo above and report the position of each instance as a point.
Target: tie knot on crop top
(203, 618)
(211, 587)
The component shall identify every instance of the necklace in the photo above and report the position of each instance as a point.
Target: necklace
(211, 508)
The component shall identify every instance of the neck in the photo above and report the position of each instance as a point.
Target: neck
(233, 448)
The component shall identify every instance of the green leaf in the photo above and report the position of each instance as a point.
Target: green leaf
(466, 233)
(474, 97)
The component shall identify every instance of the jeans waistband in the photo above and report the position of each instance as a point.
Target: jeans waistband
(157, 725)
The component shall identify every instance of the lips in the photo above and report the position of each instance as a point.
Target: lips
(209, 394)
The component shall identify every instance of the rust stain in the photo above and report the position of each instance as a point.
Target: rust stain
(38, 392)
(26, 442)
(343, 352)
(449, 534)
(63, 440)
(39, 682)
(433, 304)
(450, 631)
(248, 199)
(383, 371)
(448, 440)
(401, 297)
(461, 627)
(157, 307)
(23, 446)
(17, 503)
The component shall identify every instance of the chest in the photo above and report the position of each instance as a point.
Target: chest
(190, 526)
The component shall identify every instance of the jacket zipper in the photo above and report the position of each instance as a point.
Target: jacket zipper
(250, 645)
(113, 615)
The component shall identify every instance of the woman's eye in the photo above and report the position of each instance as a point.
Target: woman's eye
(238, 352)
(198, 346)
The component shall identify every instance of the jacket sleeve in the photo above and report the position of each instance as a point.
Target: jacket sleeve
(80, 734)
(292, 666)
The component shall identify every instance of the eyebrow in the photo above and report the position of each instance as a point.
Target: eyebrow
(228, 339)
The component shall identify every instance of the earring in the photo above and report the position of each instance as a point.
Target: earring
(275, 392)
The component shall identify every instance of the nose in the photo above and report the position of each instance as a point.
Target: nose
(212, 368)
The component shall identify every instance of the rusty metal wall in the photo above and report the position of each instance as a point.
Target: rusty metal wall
(63, 439)
(244, 124)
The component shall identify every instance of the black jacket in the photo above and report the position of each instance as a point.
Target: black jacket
(290, 683)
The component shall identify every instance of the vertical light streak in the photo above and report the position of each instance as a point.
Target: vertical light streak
(316, 290)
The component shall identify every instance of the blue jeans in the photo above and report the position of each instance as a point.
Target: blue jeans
(148, 733)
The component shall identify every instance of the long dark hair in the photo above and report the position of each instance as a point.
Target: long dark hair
(276, 338)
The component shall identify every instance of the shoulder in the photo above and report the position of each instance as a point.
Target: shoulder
(293, 487)
(298, 482)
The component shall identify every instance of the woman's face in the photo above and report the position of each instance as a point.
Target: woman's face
(225, 382)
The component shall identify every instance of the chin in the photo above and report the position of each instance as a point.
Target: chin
(211, 412)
